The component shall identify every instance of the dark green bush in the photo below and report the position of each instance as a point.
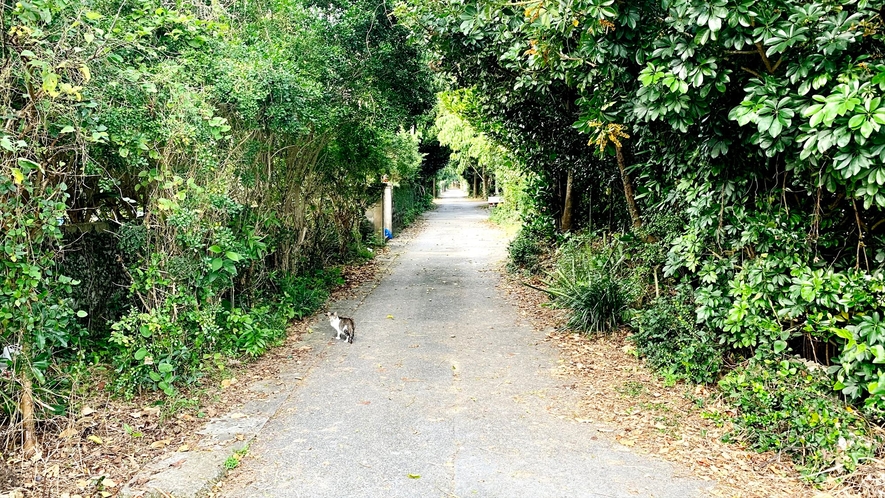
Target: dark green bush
(785, 407)
(302, 295)
(257, 330)
(525, 252)
(667, 336)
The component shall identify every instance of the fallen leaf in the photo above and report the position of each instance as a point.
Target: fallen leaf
(108, 483)
(414, 476)
(183, 448)
(69, 432)
(95, 439)
(86, 411)
(390, 317)
(238, 415)
(161, 443)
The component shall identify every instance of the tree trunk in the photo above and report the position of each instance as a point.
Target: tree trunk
(26, 405)
(485, 183)
(566, 222)
(475, 186)
(628, 190)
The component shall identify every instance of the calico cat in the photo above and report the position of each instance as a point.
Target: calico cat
(343, 326)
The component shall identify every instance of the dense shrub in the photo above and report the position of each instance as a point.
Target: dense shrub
(228, 148)
(168, 347)
(667, 336)
(301, 296)
(785, 407)
(859, 372)
(525, 252)
(255, 331)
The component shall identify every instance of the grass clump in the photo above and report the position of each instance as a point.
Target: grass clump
(594, 283)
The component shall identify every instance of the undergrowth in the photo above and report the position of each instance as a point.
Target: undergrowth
(784, 406)
(698, 331)
(667, 335)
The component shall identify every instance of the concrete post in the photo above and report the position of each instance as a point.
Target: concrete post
(388, 208)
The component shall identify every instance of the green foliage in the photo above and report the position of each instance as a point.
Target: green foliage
(860, 369)
(36, 307)
(409, 202)
(301, 296)
(525, 252)
(233, 461)
(592, 283)
(668, 337)
(256, 331)
(783, 406)
(235, 147)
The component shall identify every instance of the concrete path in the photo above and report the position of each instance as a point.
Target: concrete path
(442, 394)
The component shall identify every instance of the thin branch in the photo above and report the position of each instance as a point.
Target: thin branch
(777, 64)
(754, 73)
(764, 57)
(860, 244)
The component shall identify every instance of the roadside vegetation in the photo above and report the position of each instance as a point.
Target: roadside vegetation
(708, 174)
(180, 180)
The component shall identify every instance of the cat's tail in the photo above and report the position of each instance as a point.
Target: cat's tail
(352, 333)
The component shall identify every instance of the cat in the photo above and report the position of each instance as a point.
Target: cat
(343, 326)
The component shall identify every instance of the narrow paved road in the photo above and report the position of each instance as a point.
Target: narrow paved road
(442, 394)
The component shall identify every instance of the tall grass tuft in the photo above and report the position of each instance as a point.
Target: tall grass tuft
(586, 283)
